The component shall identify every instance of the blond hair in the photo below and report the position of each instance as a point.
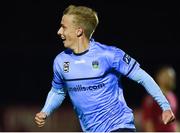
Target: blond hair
(85, 17)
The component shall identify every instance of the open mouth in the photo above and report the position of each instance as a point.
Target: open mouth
(63, 38)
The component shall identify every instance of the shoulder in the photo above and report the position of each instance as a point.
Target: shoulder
(108, 50)
(64, 53)
(61, 57)
(111, 53)
(105, 47)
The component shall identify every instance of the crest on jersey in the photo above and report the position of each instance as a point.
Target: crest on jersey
(95, 64)
(127, 58)
(66, 67)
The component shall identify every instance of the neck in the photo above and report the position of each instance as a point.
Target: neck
(81, 46)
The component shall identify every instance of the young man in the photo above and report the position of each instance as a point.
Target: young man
(151, 113)
(89, 72)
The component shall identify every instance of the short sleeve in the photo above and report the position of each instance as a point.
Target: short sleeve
(124, 64)
(57, 82)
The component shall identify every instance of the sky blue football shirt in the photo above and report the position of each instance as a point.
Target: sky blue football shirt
(92, 81)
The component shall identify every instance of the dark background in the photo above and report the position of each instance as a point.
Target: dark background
(149, 32)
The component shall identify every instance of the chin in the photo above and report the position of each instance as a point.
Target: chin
(66, 45)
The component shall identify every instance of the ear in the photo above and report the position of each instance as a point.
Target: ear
(79, 32)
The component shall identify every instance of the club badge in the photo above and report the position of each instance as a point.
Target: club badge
(95, 64)
(127, 58)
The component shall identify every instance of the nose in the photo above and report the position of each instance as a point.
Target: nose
(60, 31)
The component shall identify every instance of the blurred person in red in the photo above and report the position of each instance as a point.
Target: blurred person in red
(165, 77)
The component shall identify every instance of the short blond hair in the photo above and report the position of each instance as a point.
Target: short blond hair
(85, 17)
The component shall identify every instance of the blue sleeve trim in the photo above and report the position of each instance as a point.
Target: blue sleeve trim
(131, 69)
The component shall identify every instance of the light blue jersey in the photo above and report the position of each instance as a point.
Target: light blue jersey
(92, 81)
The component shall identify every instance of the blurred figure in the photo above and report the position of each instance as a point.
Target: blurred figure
(151, 113)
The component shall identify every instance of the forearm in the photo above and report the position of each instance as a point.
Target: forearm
(151, 87)
(53, 101)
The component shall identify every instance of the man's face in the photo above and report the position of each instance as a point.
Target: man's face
(67, 31)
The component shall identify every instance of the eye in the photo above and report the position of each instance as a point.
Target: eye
(62, 26)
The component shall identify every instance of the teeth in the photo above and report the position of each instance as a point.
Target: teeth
(63, 38)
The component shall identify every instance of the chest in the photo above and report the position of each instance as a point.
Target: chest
(84, 67)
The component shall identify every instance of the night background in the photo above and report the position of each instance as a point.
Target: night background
(149, 32)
